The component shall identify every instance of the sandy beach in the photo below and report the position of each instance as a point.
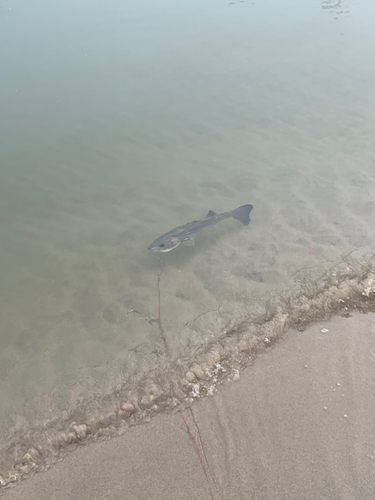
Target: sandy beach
(298, 424)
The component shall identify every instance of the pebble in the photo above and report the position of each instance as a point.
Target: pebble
(27, 457)
(124, 414)
(81, 430)
(32, 454)
(185, 383)
(127, 407)
(61, 440)
(148, 400)
(25, 468)
(197, 370)
(71, 437)
(324, 330)
(190, 377)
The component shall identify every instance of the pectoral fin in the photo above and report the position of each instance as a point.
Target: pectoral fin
(189, 243)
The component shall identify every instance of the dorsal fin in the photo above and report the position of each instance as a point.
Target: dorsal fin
(211, 213)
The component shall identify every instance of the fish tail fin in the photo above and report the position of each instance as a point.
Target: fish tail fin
(242, 214)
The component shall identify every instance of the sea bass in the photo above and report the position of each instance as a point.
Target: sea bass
(186, 234)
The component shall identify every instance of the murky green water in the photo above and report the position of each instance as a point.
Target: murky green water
(121, 121)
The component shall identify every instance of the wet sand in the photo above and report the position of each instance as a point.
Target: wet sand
(298, 424)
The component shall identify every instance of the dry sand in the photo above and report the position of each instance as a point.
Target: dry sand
(298, 424)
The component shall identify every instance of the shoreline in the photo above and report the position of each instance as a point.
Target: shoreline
(179, 382)
(296, 424)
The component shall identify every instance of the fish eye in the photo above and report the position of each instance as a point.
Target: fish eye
(162, 245)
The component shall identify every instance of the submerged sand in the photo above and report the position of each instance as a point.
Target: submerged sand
(288, 129)
(84, 304)
(297, 424)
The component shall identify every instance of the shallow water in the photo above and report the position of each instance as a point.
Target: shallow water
(120, 122)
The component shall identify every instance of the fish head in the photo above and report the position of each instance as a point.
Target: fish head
(164, 244)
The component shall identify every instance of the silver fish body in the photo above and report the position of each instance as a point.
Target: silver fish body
(186, 234)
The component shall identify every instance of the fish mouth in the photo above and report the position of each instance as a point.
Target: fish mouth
(160, 250)
(163, 249)
(157, 249)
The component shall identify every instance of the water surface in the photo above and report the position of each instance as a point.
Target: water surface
(122, 121)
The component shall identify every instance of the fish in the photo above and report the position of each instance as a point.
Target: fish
(186, 234)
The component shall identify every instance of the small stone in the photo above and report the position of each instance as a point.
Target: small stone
(71, 437)
(128, 407)
(345, 415)
(34, 453)
(146, 401)
(81, 430)
(2, 481)
(324, 330)
(27, 457)
(124, 414)
(185, 383)
(61, 440)
(197, 370)
(24, 468)
(190, 377)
